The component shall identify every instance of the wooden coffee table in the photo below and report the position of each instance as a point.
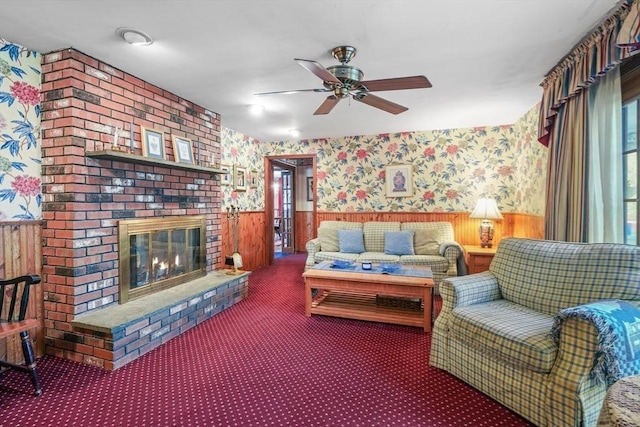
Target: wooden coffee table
(352, 294)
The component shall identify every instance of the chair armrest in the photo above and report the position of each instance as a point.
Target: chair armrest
(312, 246)
(457, 292)
(469, 290)
(454, 253)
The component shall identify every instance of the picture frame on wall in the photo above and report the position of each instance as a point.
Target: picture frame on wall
(310, 189)
(226, 178)
(240, 178)
(254, 179)
(399, 180)
(152, 143)
(182, 149)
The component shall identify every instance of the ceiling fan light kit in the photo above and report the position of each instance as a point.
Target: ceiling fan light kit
(346, 80)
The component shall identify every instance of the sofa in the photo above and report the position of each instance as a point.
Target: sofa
(546, 329)
(410, 243)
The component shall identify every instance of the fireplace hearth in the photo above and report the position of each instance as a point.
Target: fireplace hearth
(159, 253)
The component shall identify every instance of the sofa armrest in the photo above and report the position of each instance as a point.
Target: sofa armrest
(597, 344)
(312, 246)
(454, 253)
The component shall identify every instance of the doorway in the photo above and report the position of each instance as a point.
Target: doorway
(289, 203)
(283, 209)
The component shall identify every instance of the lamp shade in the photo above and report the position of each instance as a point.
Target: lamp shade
(486, 208)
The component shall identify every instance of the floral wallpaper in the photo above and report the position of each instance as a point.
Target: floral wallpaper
(20, 155)
(451, 168)
(242, 151)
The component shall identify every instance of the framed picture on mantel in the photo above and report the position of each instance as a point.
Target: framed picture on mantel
(152, 143)
(182, 149)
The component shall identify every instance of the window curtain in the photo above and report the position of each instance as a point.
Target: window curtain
(605, 216)
(566, 178)
(563, 127)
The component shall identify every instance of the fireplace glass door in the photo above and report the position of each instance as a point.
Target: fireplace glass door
(159, 253)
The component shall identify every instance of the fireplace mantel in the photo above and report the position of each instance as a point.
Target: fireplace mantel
(122, 156)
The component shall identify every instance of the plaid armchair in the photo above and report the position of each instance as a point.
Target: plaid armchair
(535, 331)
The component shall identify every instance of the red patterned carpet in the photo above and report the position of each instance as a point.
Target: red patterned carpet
(261, 363)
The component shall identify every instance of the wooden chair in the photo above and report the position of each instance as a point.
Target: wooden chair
(12, 324)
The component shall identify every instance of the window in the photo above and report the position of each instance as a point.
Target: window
(630, 170)
(630, 81)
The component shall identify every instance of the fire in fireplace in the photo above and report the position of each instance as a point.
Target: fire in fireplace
(159, 253)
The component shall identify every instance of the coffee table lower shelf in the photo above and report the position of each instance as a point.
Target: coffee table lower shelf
(364, 307)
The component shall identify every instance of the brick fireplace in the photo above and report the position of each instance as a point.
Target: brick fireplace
(85, 195)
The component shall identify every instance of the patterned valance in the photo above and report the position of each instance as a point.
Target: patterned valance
(629, 35)
(592, 58)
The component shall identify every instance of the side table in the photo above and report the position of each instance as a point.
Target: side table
(478, 258)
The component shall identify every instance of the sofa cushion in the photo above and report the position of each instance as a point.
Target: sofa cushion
(351, 241)
(398, 242)
(328, 233)
(328, 239)
(425, 242)
(507, 331)
(374, 234)
(341, 225)
(332, 256)
(436, 262)
(443, 230)
(377, 257)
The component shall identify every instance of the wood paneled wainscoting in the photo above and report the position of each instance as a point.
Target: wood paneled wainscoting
(254, 232)
(254, 235)
(20, 254)
(466, 229)
(305, 229)
(251, 242)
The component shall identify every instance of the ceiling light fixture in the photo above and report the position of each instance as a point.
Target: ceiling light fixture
(294, 133)
(256, 109)
(134, 37)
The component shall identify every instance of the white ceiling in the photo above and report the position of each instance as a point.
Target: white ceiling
(485, 58)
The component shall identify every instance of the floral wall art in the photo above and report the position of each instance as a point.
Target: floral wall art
(20, 155)
(451, 168)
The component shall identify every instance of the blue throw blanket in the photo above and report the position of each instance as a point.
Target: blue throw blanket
(618, 325)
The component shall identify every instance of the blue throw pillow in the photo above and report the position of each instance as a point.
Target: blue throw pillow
(398, 242)
(351, 241)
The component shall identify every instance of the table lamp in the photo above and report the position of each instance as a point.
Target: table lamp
(486, 209)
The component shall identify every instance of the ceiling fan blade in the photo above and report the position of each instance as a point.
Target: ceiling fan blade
(327, 105)
(377, 102)
(317, 69)
(399, 83)
(288, 92)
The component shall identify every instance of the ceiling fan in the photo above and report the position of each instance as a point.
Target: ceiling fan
(345, 80)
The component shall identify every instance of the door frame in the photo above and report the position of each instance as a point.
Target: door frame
(269, 232)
